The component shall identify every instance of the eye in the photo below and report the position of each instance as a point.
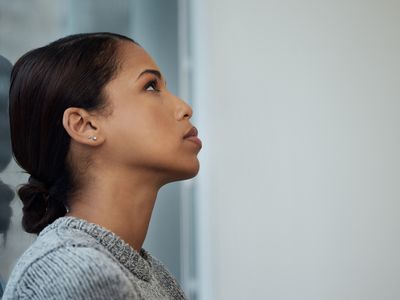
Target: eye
(151, 86)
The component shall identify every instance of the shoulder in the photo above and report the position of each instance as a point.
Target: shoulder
(52, 243)
(60, 267)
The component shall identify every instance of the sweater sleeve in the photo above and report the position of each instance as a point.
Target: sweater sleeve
(73, 273)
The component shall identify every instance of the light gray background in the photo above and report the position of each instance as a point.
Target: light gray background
(300, 101)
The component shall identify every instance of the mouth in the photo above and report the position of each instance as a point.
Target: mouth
(191, 135)
(192, 132)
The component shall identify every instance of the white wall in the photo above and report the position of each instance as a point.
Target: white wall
(300, 184)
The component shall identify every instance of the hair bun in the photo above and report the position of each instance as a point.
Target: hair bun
(38, 184)
(34, 196)
(42, 206)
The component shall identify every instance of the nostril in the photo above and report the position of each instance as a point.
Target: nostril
(183, 114)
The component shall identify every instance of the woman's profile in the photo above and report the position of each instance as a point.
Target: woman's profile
(95, 126)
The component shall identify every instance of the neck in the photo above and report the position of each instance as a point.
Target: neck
(121, 203)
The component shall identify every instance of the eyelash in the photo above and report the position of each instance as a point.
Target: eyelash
(152, 83)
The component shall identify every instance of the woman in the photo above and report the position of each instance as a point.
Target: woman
(94, 125)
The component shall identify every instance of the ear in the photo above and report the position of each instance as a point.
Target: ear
(82, 126)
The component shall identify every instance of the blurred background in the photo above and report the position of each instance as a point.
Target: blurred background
(297, 104)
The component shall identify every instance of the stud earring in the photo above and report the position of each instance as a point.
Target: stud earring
(92, 137)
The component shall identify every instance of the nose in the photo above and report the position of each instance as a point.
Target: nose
(183, 110)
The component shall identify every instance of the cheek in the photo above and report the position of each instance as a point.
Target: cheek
(152, 125)
(144, 131)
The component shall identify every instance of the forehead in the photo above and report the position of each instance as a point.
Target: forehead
(134, 59)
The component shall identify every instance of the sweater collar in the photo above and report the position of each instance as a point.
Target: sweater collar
(138, 263)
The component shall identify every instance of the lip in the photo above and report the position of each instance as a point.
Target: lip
(191, 135)
(195, 140)
(192, 132)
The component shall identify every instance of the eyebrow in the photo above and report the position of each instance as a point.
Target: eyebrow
(150, 71)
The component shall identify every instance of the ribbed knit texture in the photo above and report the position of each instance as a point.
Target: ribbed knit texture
(75, 259)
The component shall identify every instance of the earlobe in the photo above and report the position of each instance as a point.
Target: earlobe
(81, 126)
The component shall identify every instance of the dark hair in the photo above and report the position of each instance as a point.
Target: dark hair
(70, 72)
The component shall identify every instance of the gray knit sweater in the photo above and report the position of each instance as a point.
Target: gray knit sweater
(75, 259)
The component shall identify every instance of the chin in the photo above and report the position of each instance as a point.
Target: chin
(186, 172)
(193, 172)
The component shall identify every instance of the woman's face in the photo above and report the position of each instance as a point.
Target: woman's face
(146, 128)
